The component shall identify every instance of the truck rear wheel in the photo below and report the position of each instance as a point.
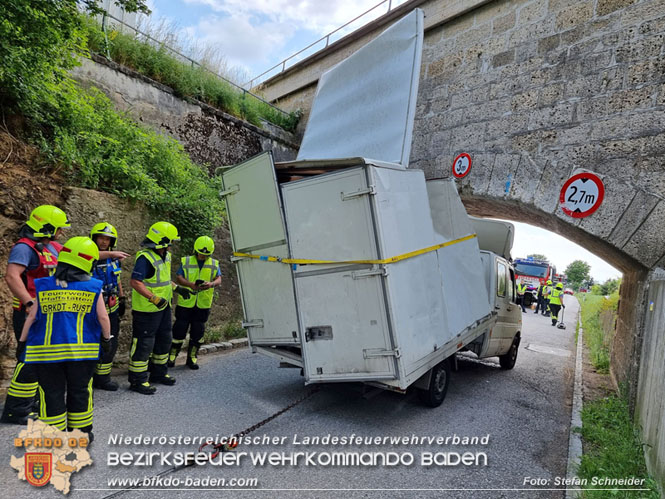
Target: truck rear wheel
(438, 385)
(507, 360)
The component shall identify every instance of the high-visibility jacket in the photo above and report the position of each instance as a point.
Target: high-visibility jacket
(521, 289)
(159, 284)
(108, 271)
(547, 291)
(207, 272)
(66, 326)
(47, 264)
(556, 296)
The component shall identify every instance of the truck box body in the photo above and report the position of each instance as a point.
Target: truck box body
(356, 269)
(379, 322)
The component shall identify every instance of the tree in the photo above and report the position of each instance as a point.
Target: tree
(578, 272)
(39, 43)
(538, 256)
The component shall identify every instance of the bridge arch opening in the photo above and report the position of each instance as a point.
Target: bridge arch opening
(627, 339)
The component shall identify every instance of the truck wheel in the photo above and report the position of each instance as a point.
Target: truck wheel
(508, 359)
(438, 385)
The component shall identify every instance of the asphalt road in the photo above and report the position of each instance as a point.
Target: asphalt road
(525, 412)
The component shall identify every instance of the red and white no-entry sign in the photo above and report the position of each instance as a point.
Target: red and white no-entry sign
(581, 195)
(462, 165)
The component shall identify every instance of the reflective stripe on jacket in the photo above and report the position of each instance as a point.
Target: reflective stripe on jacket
(208, 272)
(159, 284)
(555, 297)
(66, 326)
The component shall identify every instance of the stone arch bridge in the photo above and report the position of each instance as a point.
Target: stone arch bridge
(534, 91)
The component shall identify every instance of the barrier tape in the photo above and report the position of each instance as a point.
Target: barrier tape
(393, 259)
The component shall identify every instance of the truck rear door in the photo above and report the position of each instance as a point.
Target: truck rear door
(254, 210)
(342, 307)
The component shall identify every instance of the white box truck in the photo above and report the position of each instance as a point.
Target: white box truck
(356, 269)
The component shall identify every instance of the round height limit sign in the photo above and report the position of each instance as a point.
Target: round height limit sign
(581, 195)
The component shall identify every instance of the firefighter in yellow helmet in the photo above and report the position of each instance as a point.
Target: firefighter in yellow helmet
(200, 273)
(34, 255)
(62, 336)
(107, 269)
(556, 302)
(152, 291)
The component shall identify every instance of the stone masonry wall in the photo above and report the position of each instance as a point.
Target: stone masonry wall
(210, 136)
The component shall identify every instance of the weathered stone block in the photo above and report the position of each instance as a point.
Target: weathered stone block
(503, 175)
(640, 49)
(592, 109)
(503, 58)
(473, 36)
(546, 196)
(504, 23)
(645, 72)
(593, 63)
(533, 141)
(618, 195)
(525, 100)
(551, 94)
(574, 15)
(628, 100)
(647, 244)
(527, 177)
(532, 32)
(584, 87)
(446, 64)
(643, 11)
(639, 208)
(549, 43)
(506, 126)
(559, 114)
(239, 342)
(532, 12)
(604, 7)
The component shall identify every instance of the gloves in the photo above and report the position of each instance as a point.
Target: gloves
(20, 349)
(159, 302)
(106, 345)
(183, 291)
(122, 306)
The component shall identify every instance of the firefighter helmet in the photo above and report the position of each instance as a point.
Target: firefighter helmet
(105, 229)
(45, 220)
(559, 285)
(204, 245)
(80, 252)
(549, 282)
(162, 235)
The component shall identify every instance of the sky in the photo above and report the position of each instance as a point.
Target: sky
(558, 250)
(257, 34)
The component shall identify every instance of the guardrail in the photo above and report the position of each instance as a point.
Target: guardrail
(257, 79)
(180, 56)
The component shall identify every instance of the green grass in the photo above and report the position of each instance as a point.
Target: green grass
(612, 448)
(598, 342)
(229, 330)
(186, 80)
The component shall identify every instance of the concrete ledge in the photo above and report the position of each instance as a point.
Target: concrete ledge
(239, 342)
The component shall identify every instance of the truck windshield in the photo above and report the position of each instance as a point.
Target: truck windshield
(531, 269)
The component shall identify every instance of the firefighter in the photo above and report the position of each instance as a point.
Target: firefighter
(62, 335)
(556, 302)
(201, 274)
(152, 291)
(540, 302)
(107, 269)
(33, 256)
(547, 291)
(521, 289)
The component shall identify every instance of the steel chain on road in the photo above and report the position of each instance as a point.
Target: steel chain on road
(219, 447)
